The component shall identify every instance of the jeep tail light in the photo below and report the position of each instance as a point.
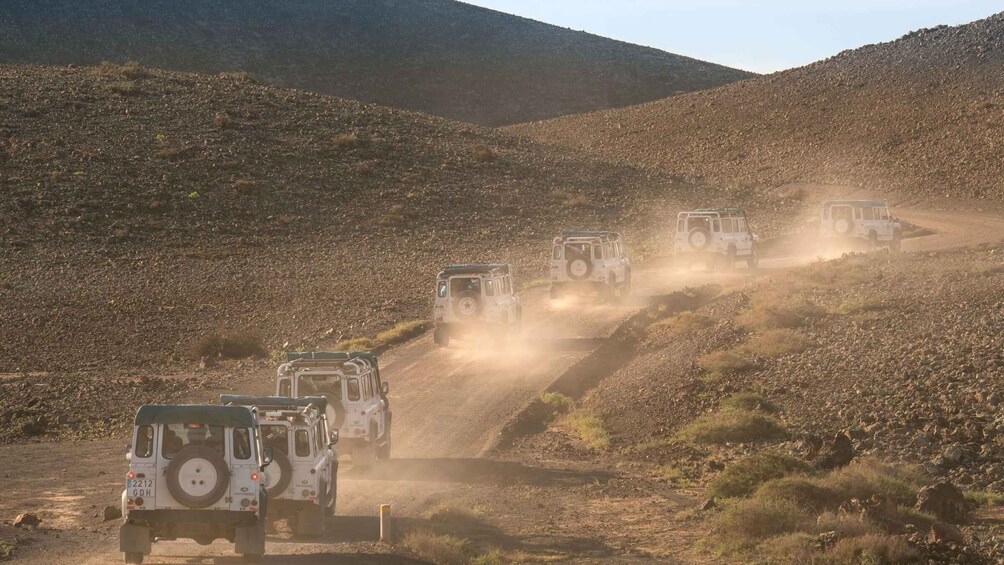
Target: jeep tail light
(139, 501)
(131, 475)
(254, 475)
(313, 471)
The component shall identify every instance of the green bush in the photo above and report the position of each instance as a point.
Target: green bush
(748, 522)
(749, 401)
(733, 426)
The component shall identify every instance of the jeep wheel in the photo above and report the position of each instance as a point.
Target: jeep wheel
(699, 238)
(134, 557)
(333, 481)
(197, 476)
(753, 260)
(440, 337)
(579, 266)
(279, 481)
(383, 450)
(896, 244)
(467, 305)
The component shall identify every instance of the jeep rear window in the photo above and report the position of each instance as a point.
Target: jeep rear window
(462, 284)
(489, 287)
(576, 249)
(324, 385)
(284, 388)
(144, 442)
(353, 386)
(698, 222)
(179, 436)
(302, 443)
(275, 437)
(242, 443)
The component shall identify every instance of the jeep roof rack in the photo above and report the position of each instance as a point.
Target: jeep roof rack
(474, 270)
(738, 211)
(871, 203)
(206, 414)
(330, 356)
(275, 402)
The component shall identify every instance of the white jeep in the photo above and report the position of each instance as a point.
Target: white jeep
(475, 298)
(302, 480)
(590, 261)
(357, 407)
(716, 237)
(195, 472)
(860, 220)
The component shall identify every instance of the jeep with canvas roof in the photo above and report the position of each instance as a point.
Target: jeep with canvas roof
(859, 220)
(302, 480)
(716, 237)
(590, 261)
(195, 472)
(357, 403)
(472, 299)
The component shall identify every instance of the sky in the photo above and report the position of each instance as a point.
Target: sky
(757, 35)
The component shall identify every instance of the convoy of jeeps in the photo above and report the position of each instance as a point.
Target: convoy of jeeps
(209, 472)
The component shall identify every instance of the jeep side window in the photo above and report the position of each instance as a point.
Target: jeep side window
(301, 443)
(598, 252)
(681, 225)
(608, 251)
(319, 436)
(741, 223)
(716, 225)
(367, 391)
(242, 443)
(441, 290)
(489, 287)
(857, 213)
(144, 442)
(557, 252)
(285, 388)
(353, 385)
(727, 226)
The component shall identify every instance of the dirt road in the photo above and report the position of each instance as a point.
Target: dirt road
(449, 407)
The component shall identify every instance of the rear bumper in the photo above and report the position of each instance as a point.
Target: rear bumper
(185, 516)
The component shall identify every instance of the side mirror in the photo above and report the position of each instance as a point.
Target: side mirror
(334, 437)
(266, 456)
(384, 388)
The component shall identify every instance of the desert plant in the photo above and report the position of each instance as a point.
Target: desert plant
(221, 120)
(773, 313)
(687, 323)
(871, 548)
(588, 428)
(777, 343)
(805, 491)
(229, 346)
(749, 401)
(743, 477)
(484, 154)
(347, 141)
(402, 332)
(867, 477)
(125, 88)
(729, 361)
(750, 521)
(732, 426)
(439, 549)
(356, 344)
(244, 186)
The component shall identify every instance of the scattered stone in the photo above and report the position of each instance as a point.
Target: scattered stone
(27, 520)
(836, 453)
(942, 532)
(944, 500)
(112, 513)
(708, 504)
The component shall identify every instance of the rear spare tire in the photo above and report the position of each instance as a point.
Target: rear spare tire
(281, 474)
(578, 267)
(467, 305)
(197, 476)
(843, 226)
(699, 238)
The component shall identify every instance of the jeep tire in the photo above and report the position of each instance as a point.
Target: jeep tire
(578, 266)
(134, 557)
(333, 481)
(441, 337)
(753, 260)
(699, 238)
(467, 305)
(383, 449)
(897, 240)
(281, 461)
(193, 468)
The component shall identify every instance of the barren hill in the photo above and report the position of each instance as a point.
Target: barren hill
(923, 115)
(438, 56)
(142, 209)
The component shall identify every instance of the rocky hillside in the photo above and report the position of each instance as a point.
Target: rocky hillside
(143, 209)
(922, 115)
(438, 56)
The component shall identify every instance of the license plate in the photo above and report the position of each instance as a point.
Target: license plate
(139, 487)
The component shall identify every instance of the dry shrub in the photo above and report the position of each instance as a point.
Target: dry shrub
(777, 343)
(742, 477)
(130, 70)
(347, 141)
(229, 346)
(446, 514)
(872, 548)
(240, 76)
(806, 492)
(125, 88)
(588, 428)
(484, 154)
(845, 525)
(356, 344)
(439, 549)
(730, 361)
(222, 120)
(570, 200)
(244, 186)
(686, 324)
(364, 168)
(733, 426)
(402, 332)
(748, 522)
(868, 477)
(172, 152)
(749, 401)
(771, 312)
(394, 216)
(790, 549)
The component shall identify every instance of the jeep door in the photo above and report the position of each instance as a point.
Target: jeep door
(371, 403)
(742, 236)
